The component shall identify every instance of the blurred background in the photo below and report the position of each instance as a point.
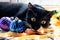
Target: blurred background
(47, 4)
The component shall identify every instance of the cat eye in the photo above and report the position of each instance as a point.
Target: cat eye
(33, 19)
(43, 22)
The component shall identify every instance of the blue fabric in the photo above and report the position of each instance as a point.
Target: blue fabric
(20, 27)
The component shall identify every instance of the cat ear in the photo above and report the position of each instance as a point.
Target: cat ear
(29, 5)
(50, 14)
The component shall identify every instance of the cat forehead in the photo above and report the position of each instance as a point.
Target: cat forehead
(38, 8)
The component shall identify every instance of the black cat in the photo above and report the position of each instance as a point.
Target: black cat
(33, 14)
(37, 16)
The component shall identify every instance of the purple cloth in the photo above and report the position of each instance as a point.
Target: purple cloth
(5, 23)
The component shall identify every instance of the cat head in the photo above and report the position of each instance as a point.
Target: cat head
(41, 15)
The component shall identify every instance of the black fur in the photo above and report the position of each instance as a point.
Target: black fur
(11, 9)
(25, 13)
